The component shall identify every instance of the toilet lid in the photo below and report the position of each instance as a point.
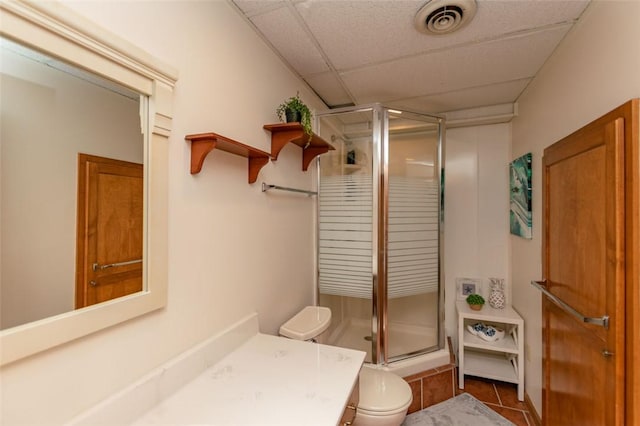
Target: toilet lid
(307, 324)
(383, 391)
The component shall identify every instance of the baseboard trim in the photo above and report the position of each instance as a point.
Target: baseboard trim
(532, 410)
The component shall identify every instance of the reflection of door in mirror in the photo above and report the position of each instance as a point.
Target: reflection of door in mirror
(109, 239)
(50, 112)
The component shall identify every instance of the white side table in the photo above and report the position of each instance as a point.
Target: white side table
(500, 360)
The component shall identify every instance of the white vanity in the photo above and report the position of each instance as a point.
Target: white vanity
(268, 380)
(241, 377)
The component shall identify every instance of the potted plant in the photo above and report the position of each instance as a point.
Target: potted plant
(294, 110)
(475, 301)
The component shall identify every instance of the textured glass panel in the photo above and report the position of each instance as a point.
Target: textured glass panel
(412, 240)
(345, 228)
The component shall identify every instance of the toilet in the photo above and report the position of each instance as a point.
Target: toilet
(384, 397)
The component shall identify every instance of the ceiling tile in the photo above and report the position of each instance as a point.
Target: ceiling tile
(505, 17)
(355, 33)
(253, 7)
(481, 64)
(286, 35)
(329, 88)
(365, 51)
(473, 97)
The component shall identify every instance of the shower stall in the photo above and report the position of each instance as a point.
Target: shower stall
(380, 231)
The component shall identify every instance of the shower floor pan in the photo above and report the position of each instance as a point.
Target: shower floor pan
(404, 338)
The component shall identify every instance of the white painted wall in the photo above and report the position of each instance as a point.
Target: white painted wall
(232, 249)
(595, 69)
(476, 202)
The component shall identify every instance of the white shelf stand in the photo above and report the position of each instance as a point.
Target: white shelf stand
(500, 360)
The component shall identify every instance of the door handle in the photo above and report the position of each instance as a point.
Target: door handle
(602, 321)
(96, 266)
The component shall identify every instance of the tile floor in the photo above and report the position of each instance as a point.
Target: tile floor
(501, 397)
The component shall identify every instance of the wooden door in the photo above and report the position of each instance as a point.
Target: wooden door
(584, 250)
(109, 231)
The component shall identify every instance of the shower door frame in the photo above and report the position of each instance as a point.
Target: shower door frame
(380, 196)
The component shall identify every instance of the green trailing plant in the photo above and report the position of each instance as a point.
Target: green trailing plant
(292, 106)
(475, 299)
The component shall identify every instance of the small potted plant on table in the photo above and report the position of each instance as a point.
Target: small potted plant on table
(475, 301)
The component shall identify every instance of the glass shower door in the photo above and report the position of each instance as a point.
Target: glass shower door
(345, 228)
(413, 207)
(379, 231)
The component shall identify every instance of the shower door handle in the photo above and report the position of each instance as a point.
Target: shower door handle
(602, 321)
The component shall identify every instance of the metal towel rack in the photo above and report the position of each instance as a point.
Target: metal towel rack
(97, 266)
(602, 321)
(266, 187)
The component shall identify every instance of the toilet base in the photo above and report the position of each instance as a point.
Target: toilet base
(366, 419)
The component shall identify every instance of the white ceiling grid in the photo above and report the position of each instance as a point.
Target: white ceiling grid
(363, 51)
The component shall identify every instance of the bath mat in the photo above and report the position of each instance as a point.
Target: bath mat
(463, 410)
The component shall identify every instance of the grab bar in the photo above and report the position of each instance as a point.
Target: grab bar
(97, 266)
(603, 321)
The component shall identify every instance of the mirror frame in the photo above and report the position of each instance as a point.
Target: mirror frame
(55, 30)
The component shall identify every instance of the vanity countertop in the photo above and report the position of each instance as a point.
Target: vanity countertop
(268, 380)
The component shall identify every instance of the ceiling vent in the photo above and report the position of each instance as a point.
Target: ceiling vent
(440, 17)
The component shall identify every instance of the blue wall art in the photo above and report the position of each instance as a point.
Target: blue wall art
(520, 200)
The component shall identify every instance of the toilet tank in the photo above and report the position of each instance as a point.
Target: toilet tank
(310, 323)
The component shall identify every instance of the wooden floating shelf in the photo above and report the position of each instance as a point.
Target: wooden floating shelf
(203, 143)
(284, 133)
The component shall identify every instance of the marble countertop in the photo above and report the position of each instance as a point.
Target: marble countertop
(268, 380)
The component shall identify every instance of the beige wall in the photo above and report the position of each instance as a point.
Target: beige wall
(232, 249)
(595, 69)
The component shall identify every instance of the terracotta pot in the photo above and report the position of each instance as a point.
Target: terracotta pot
(475, 307)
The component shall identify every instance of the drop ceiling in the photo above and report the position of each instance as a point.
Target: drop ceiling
(364, 51)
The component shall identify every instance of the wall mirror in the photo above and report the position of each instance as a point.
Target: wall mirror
(107, 99)
(81, 166)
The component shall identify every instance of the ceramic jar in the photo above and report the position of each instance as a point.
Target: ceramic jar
(497, 298)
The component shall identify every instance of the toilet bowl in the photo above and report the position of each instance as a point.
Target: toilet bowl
(384, 397)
